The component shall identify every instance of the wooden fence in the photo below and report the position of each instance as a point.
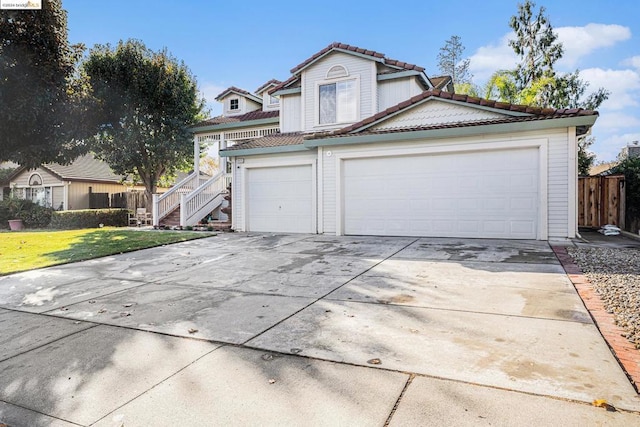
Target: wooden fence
(601, 201)
(128, 200)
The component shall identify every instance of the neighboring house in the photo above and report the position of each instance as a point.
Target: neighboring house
(66, 187)
(369, 145)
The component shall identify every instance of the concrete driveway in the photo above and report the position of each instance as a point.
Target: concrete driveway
(254, 329)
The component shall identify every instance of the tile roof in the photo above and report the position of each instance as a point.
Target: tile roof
(536, 112)
(252, 115)
(371, 53)
(342, 46)
(267, 84)
(275, 140)
(440, 82)
(284, 84)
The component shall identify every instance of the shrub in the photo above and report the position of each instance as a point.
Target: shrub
(89, 218)
(32, 214)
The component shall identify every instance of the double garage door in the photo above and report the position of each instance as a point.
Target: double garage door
(491, 194)
(471, 194)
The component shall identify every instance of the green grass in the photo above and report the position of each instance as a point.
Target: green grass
(21, 251)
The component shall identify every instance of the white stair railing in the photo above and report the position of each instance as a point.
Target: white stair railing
(166, 203)
(208, 196)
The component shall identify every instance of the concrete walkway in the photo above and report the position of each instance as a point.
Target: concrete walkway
(250, 329)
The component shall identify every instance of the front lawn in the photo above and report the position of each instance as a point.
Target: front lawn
(21, 251)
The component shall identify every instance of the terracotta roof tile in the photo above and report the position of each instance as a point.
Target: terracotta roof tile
(535, 111)
(267, 84)
(252, 115)
(440, 82)
(284, 84)
(275, 140)
(232, 89)
(350, 48)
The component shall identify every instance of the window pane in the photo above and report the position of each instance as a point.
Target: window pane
(328, 103)
(346, 100)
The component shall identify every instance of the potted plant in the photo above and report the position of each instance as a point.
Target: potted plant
(15, 206)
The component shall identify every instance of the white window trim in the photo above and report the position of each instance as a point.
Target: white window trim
(227, 105)
(344, 69)
(316, 101)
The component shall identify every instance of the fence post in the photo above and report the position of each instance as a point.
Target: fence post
(155, 210)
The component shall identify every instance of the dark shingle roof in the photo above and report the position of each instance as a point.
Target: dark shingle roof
(84, 168)
(252, 115)
(275, 140)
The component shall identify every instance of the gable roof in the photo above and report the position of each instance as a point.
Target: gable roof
(240, 119)
(342, 47)
(272, 82)
(508, 113)
(238, 91)
(514, 112)
(376, 56)
(84, 168)
(440, 82)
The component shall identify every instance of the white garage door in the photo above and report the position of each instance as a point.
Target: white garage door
(481, 194)
(279, 199)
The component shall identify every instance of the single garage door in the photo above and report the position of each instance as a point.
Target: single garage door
(279, 199)
(472, 194)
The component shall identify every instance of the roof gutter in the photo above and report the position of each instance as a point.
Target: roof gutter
(263, 150)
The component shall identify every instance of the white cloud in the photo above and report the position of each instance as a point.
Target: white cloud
(623, 85)
(607, 149)
(491, 58)
(579, 42)
(634, 62)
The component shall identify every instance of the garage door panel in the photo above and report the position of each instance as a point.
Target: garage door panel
(480, 194)
(279, 199)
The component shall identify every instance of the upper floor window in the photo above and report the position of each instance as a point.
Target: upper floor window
(273, 100)
(234, 104)
(337, 102)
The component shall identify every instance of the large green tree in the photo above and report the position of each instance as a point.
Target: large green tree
(40, 99)
(536, 81)
(146, 102)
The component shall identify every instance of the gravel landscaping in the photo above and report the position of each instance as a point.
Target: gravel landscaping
(615, 274)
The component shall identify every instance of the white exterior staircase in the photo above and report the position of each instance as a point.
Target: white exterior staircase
(193, 198)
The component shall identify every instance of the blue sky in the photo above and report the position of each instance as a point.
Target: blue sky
(249, 42)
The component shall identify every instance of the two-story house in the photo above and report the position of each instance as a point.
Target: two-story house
(368, 145)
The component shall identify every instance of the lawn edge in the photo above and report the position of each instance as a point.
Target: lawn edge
(623, 350)
(115, 253)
